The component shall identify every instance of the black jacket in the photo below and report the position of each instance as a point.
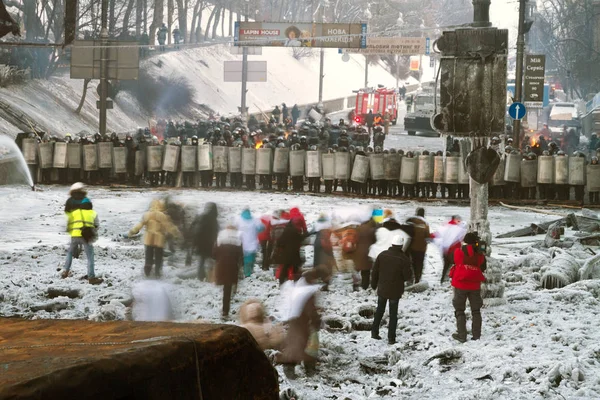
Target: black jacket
(392, 268)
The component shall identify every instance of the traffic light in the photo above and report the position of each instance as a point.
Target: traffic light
(472, 82)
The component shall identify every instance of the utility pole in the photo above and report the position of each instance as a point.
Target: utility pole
(322, 56)
(244, 69)
(366, 70)
(103, 68)
(519, 71)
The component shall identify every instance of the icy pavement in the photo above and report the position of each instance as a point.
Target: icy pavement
(540, 344)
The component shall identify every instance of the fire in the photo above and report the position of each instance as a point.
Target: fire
(534, 141)
(258, 144)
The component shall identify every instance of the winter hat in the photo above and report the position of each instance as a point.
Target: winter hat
(322, 218)
(77, 187)
(387, 213)
(398, 240)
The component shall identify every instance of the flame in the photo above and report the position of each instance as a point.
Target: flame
(258, 144)
(534, 141)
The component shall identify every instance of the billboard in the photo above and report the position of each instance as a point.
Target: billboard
(391, 45)
(535, 69)
(122, 59)
(285, 34)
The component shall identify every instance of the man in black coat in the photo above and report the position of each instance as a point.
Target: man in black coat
(392, 268)
(202, 236)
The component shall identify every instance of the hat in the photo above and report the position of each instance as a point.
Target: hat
(387, 213)
(398, 240)
(77, 187)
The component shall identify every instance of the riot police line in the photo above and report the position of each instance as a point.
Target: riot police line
(378, 173)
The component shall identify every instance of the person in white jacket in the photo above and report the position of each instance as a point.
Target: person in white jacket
(249, 228)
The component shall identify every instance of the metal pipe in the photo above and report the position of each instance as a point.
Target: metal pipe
(245, 70)
(321, 59)
(519, 69)
(103, 68)
(481, 13)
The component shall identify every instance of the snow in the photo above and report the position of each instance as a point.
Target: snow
(540, 344)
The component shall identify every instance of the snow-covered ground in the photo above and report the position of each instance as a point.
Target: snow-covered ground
(541, 344)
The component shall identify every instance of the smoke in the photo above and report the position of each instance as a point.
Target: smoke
(161, 95)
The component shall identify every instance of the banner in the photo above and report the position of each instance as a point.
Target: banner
(285, 34)
(404, 46)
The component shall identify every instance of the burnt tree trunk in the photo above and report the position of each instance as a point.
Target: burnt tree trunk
(82, 101)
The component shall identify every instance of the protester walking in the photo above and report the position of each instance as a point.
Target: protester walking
(249, 228)
(229, 257)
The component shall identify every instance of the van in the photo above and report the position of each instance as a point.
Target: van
(563, 114)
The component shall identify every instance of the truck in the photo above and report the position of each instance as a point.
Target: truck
(378, 100)
(563, 114)
(419, 118)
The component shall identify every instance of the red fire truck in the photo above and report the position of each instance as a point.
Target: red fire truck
(379, 100)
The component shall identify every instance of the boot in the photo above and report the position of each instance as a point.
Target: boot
(147, 269)
(95, 281)
(65, 274)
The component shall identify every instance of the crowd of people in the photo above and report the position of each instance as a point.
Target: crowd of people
(384, 255)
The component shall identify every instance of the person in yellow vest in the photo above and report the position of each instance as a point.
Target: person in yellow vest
(82, 224)
(158, 225)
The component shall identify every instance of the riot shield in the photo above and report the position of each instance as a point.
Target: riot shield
(235, 159)
(545, 174)
(205, 157)
(342, 166)
(408, 170)
(46, 155)
(328, 166)
(463, 175)
(376, 167)
(360, 169)
(297, 159)
(74, 155)
(313, 164)
(561, 170)
(528, 173)
(451, 170)
(119, 160)
(60, 155)
(438, 169)
(30, 151)
(281, 160)
(188, 158)
(391, 166)
(105, 155)
(140, 162)
(593, 178)
(154, 158)
(263, 162)
(425, 169)
(249, 161)
(90, 157)
(171, 158)
(576, 170)
(220, 162)
(498, 178)
(512, 170)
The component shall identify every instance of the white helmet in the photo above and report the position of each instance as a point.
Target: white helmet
(398, 240)
(77, 187)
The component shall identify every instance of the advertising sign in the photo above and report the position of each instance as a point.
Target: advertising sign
(391, 45)
(535, 67)
(285, 34)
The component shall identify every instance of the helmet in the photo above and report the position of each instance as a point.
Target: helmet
(594, 160)
(439, 153)
(295, 147)
(303, 138)
(410, 154)
(351, 148)
(509, 140)
(369, 149)
(343, 149)
(386, 151)
(281, 145)
(545, 153)
(77, 187)
(313, 148)
(401, 152)
(195, 137)
(560, 153)
(578, 154)
(378, 149)
(425, 152)
(552, 144)
(392, 151)
(495, 140)
(508, 149)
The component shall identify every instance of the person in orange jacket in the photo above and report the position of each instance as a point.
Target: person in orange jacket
(467, 275)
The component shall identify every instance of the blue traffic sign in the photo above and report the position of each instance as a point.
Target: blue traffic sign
(517, 110)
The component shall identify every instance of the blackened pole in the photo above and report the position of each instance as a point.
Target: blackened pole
(245, 70)
(519, 70)
(321, 58)
(103, 68)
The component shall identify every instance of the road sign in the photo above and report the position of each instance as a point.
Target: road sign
(534, 81)
(427, 46)
(517, 110)
(252, 50)
(391, 45)
(232, 71)
(122, 59)
(285, 34)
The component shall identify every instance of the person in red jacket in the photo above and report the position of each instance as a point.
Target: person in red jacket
(298, 219)
(467, 275)
(263, 238)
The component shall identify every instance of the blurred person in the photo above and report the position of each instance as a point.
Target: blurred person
(301, 344)
(204, 231)
(448, 239)
(82, 224)
(362, 262)
(323, 249)
(249, 228)
(467, 275)
(392, 268)
(229, 257)
(263, 238)
(158, 225)
(418, 230)
(151, 302)
(253, 317)
(288, 252)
